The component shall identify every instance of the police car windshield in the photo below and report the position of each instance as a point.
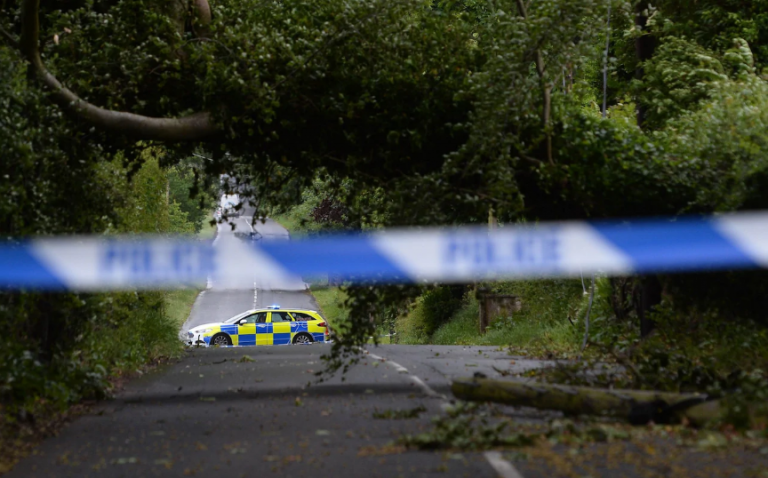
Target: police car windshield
(237, 317)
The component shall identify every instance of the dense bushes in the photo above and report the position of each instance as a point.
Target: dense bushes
(438, 305)
(119, 334)
(59, 348)
(29, 383)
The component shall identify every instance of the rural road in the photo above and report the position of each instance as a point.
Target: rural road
(216, 412)
(249, 412)
(216, 305)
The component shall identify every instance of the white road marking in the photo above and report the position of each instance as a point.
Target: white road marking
(255, 295)
(209, 282)
(502, 467)
(426, 389)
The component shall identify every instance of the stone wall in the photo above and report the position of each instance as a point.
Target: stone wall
(494, 306)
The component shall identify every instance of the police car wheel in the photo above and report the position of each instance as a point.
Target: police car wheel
(302, 339)
(221, 340)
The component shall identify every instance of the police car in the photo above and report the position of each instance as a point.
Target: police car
(270, 326)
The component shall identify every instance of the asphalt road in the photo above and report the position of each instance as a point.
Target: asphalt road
(216, 412)
(243, 412)
(249, 412)
(217, 304)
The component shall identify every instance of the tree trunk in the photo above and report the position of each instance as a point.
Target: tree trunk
(621, 297)
(645, 46)
(647, 295)
(635, 406)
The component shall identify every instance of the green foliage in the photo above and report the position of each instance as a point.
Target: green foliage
(60, 194)
(131, 330)
(411, 329)
(178, 304)
(438, 305)
(134, 49)
(715, 24)
(406, 112)
(331, 302)
(118, 334)
(691, 350)
(29, 385)
(683, 74)
(142, 196)
(183, 182)
(462, 329)
(474, 11)
(481, 427)
(677, 79)
(542, 328)
(466, 427)
(50, 185)
(549, 301)
(545, 325)
(390, 414)
(726, 141)
(298, 219)
(57, 179)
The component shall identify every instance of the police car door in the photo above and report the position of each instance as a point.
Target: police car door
(263, 329)
(246, 330)
(281, 328)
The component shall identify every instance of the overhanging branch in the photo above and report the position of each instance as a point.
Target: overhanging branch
(202, 14)
(9, 38)
(194, 127)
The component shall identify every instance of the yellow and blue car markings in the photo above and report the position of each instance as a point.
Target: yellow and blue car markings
(271, 333)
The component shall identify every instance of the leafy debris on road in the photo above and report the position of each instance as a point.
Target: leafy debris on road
(390, 414)
(466, 427)
(381, 450)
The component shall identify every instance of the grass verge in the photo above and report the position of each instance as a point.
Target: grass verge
(550, 322)
(523, 335)
(208, 231)
(288, 221)
(178, 305)
(541, 329)
(331, 302)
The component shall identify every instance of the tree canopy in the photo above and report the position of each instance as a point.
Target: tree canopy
(404, 112)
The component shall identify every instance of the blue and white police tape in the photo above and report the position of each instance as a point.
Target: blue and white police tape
(566, 249)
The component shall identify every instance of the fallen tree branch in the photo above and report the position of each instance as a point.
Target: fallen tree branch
(634, 406)
(503, 373)
(202, 14)
(194, 127)
(623, 360)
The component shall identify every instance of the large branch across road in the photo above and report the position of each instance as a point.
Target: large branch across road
(194, 127)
